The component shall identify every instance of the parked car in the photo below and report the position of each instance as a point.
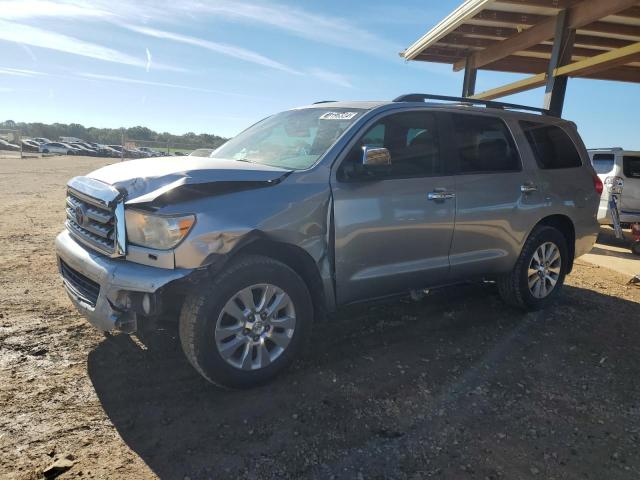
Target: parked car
(141, 153)
(103, 150)
(623, 167)
(74, 149)
(41, 140)
(59, 148)
(323, 206)
(5, 145)
(83, 150)
(151, 152)
(29, 145)
(201, 152)
(125, 152)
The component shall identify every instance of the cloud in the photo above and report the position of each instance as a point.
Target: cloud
(222, 48)
(329, 30)
(331, 77)
(35, 37)
(148, 65)
(114, 78)
(20, 72)
(21, 9)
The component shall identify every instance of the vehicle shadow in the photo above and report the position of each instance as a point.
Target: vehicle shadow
(607, 237)
(447, 345)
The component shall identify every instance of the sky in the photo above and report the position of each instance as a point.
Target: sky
(217, 66)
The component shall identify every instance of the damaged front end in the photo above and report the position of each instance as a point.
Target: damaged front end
(233, 204)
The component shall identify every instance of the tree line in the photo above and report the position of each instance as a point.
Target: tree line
(111, 136)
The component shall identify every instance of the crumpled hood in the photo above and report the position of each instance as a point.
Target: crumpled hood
(150, 179)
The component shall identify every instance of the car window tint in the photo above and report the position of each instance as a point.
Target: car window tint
(631, 166)
(412, 141)
(484, 144)
(551, 146)
(603, 162)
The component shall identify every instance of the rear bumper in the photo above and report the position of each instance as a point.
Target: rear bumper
(116, 279)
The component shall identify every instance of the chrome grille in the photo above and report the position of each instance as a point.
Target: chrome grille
(95, 221)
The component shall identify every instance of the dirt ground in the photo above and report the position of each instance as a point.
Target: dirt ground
(456, 386)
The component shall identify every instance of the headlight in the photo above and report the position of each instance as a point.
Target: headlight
(154, 231)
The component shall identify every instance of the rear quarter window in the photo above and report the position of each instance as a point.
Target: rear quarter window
(551, 146)
(603, 162)
(631, 166)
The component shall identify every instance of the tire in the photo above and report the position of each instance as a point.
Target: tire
(635, 247)
(514, 287)
(203, 325)
(45, 151)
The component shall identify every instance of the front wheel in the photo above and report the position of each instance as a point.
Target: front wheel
(248, 324)
(539, 273)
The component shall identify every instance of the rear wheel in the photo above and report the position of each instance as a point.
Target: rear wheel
(539, 273)
(248, 324)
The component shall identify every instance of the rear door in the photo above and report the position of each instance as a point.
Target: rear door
(496, 197)
(393, 227)
(604, 163)
(630, 201)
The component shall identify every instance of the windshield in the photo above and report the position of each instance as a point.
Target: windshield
(294, 139)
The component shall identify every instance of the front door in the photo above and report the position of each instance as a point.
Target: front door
(393, 227)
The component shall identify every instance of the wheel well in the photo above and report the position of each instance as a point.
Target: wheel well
(563, 224)
(299, 261)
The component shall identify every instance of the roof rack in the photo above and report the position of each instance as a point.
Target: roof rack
(421, 97)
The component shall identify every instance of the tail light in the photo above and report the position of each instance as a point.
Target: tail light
(597, 184)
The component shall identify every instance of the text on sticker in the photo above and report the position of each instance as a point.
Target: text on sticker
(338, 115)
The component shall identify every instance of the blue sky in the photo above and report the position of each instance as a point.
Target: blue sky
(217, 66)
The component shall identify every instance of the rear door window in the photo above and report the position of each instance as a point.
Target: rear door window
(631, 166)
(603, 162)
(484, 145)
(551, 146)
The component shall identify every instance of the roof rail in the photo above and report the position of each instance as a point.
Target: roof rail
(421, 97)
(323, 101)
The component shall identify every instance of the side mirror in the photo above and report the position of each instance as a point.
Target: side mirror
(375, 156)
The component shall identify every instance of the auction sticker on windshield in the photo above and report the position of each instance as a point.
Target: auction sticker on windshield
(338, 115)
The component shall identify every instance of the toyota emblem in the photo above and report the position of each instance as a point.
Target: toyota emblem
(79, 214)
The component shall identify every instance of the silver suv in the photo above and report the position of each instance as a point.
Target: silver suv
(322, 206)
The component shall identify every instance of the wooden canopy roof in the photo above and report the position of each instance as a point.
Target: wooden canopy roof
(518, 36)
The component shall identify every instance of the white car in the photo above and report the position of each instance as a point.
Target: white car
(57, 147)
(623, 167)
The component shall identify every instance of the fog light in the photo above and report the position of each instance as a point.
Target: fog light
(146, 304)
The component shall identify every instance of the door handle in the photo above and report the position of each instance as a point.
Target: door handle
(440, 195)
(528, 188)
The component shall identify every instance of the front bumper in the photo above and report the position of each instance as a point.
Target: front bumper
(115, 277)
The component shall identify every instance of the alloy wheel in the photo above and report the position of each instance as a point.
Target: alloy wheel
(255, 326)
(544, 270)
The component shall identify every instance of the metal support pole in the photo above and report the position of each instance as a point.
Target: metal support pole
(469, 83)
(561, 52)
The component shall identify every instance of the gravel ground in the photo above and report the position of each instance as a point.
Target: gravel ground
(455, 386)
